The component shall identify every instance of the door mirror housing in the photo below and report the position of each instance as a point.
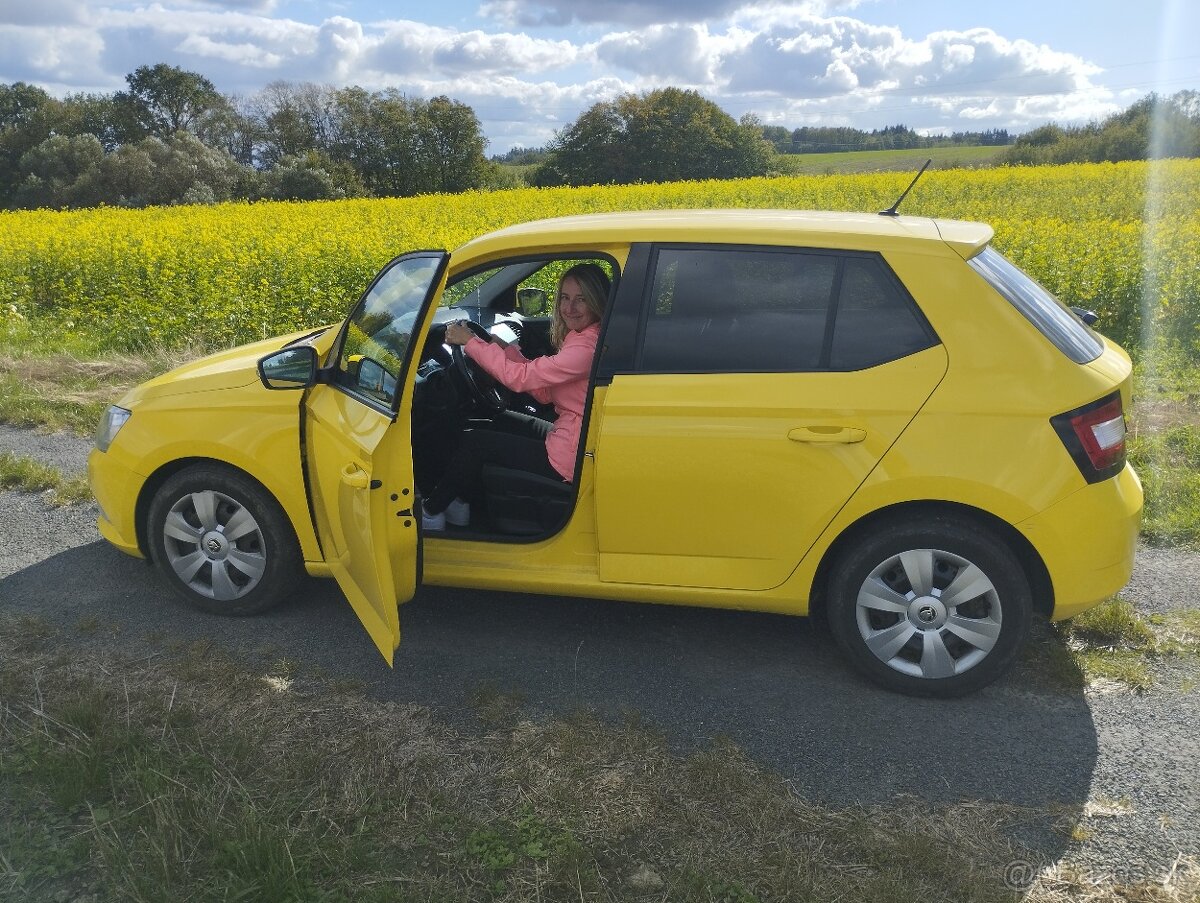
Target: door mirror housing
(534, 302)
(291, 368)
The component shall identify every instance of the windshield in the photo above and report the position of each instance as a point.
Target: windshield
(377, 336)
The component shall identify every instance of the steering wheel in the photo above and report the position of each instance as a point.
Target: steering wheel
(482, 387)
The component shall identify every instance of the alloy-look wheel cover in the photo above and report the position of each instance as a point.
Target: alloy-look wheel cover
(929, 613)
(214, 545)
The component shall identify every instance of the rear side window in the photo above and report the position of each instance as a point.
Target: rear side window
(875, 321)
(1050, 316)
(775, 310)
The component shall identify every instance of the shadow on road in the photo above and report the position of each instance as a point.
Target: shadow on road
(772, 684)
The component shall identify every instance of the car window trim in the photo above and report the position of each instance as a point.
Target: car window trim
(594, 378)
(842, 255)
(335, 354)
(504, 261)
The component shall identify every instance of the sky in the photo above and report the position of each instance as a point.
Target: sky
(530, 68)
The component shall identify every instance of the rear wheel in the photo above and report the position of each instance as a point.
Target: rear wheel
(937, 606)
(222, 541)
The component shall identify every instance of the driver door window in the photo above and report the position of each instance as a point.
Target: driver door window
(376, 338)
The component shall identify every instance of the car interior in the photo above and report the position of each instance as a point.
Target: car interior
(514, 302)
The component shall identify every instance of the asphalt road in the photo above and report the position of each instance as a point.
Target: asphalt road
(774, 685)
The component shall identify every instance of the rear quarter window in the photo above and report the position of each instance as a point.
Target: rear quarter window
(1050, 317)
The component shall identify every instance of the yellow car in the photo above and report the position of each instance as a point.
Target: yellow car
(875, 417)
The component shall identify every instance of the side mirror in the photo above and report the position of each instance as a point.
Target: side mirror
(291, 368)
(534, 302)
(1088, 316)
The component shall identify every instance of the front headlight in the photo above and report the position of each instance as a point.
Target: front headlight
(111, 422)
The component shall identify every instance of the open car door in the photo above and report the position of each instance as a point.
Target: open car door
(358, 444)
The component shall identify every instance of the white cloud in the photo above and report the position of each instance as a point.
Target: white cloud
(61, 59)
(43, 12)
(673, 54)
(258, 6)
(411, 47)
(244, 53)
(521, 13)
(792, 63)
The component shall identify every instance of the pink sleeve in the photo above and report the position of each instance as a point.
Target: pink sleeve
(512, 351)
(573, 361)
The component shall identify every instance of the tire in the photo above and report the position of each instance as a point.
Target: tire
(222, 542)
(898, 616)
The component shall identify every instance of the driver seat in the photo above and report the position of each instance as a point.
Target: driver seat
(525, 504)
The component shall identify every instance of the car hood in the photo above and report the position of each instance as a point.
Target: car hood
(225, 370)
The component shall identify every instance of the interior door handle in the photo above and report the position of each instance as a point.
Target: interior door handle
(844, 434)
(355, 477)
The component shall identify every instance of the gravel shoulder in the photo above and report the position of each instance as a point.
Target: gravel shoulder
(1128, 761)
(66, 451)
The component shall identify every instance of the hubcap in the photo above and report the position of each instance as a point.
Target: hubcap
(214, 545)
(929, 613)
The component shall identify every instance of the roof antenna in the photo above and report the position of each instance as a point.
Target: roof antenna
(891, 211)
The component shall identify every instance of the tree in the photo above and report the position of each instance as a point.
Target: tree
(18, 102)
(376, 137)
(312, 177)
(163, 100)
(662, 136)
(295, 119)
(76, 172)
(521, 156)
(403, 146)
(20, 105)
(51, 173)
(449, 145)
(1154, 127)
(779, 137)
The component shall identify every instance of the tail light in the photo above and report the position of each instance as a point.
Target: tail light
(1095, 437)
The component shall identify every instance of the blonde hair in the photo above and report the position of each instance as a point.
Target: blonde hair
(594, 283)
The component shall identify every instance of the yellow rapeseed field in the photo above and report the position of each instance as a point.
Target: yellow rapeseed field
(164, 277)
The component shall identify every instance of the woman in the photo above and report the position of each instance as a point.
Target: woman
(560, 379)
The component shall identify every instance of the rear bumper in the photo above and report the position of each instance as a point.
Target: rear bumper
(1087, 541)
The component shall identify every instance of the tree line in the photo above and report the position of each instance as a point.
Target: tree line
(672, 134)
(171, 137)
(1153, 127)
(835, 139)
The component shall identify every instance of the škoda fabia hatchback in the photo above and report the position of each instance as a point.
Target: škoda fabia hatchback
(877, 417)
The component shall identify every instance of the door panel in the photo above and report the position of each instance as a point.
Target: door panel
(354, 445)
(358, 444)
(726, 480)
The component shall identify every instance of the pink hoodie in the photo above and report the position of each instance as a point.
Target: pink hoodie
(559, 379)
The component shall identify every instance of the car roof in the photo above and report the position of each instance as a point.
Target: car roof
(796, 228)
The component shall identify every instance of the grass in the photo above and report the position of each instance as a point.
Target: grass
(966, 156)
(191, 777)
(28, 475)
(196, 779)
(66, 390)
(1114, 642)
(887, 160)
(1164, 446)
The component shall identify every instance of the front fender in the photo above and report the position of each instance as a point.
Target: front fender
(249, 428)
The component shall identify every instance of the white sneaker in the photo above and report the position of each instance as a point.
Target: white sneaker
(458, 513)
(433, 521)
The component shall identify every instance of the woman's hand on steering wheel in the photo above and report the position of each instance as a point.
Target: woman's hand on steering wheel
(482, 387)
(459, 332)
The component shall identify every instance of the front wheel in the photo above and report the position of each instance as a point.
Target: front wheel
(222, 541)
(939, 606)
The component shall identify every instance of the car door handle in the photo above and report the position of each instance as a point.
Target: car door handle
(844, 434)
(355, 477)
